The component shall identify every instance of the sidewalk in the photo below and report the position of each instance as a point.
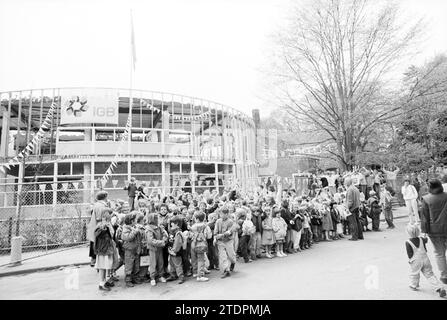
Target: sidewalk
(69, 257)
(79, 256)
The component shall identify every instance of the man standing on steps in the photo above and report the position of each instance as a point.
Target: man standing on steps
(353, 204)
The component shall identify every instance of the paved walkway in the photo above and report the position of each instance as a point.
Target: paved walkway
(77, 256)
(56, 259)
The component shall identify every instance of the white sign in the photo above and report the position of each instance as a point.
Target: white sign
(90, 106)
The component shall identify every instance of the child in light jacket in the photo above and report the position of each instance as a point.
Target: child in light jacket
(144, 252)
(157, 238)
(280, 230)
(268, 236)
(248, 231)
(200, 233)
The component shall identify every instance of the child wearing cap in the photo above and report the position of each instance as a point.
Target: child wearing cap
(419, 262)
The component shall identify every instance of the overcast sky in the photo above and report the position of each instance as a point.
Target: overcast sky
(212, 49)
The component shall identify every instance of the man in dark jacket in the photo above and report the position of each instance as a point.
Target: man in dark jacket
(434, 223)
(131, 193)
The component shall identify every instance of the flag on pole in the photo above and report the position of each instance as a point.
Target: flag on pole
(132, 42)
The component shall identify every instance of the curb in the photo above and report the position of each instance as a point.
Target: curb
(394, 218)
(41, 269)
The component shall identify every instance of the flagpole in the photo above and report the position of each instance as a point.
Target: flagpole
(132, 70)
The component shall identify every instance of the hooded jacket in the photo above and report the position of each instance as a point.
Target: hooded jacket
(131, 239)
(155, 235)
(257, 221)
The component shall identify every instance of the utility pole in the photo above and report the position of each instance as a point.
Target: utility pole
(20, 194)
(16, 242)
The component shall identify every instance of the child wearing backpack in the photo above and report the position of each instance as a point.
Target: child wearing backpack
(200, 233)
(156, 238)
(131, 237)
(175, 249)
(374, 210)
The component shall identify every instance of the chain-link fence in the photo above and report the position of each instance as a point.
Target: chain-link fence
(41, 235)
(52, 216)
(49, 216)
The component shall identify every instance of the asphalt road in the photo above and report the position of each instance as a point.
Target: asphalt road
(375, 268)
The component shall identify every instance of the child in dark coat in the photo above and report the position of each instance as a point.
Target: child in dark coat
(131, 237)
(104, 248)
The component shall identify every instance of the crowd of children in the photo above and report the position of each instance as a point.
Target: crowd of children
(179, 235)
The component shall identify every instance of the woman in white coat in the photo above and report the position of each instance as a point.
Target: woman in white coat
(410, 196)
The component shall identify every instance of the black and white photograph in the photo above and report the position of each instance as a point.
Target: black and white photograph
(250, 151)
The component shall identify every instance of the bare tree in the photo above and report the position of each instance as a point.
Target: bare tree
(334, 63)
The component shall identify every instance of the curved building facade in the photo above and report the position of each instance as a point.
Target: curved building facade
(173, 142)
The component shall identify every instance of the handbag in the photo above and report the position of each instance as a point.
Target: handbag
(144, 261)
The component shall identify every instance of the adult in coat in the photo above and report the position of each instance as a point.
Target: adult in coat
(98, 208)
(434, 223)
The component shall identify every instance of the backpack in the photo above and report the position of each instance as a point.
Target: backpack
(200, 243)
(184, 241)
(334, 215)
(298, 223)
(374, 209)
(388, 205)
(391, 190)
